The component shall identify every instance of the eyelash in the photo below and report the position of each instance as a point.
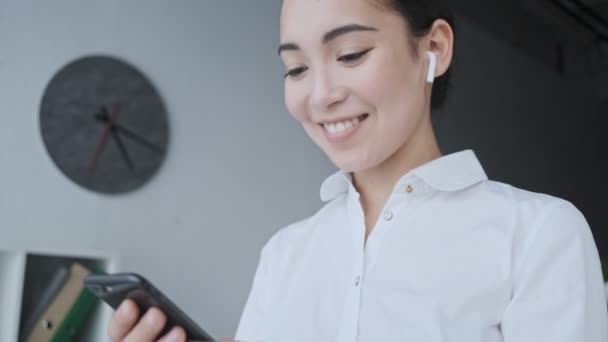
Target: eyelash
(295, 72)
(353, 57)
(349, 58)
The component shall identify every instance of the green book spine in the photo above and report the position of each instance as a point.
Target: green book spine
(76, 316)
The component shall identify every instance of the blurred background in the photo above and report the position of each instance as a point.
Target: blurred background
(529, 96)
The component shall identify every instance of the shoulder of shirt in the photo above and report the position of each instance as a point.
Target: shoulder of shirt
(520, 196)
(541, 222)
(298, 232)
(536, 206)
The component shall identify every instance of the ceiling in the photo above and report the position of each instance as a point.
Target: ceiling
(568, 36)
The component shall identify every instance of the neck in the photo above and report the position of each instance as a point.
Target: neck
(376, 184)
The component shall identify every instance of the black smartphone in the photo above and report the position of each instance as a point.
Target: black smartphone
(114, 288)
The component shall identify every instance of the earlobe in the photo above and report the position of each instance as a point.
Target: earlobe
(432, 66)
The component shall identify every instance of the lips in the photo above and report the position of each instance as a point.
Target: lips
(340, 131)
(343, 125)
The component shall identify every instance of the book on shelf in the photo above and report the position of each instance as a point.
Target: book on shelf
(63, 308)
(54, 285)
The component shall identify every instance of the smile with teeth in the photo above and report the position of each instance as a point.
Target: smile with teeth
(342, 126)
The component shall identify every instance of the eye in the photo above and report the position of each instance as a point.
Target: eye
(353, 57)
(295, 72)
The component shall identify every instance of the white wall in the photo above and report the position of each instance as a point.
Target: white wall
(239, 167)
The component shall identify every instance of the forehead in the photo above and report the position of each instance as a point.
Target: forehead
(309, 19)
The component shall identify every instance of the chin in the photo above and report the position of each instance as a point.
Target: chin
(353, 163)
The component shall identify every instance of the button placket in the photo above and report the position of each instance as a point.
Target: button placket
(398, 204)
(350, 322)
(388, 213)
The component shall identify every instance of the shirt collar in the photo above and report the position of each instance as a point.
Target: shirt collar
(335, 185)
(452, 172)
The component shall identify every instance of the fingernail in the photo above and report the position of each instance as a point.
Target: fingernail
(125, 310)
(152, 319)
(174, 335)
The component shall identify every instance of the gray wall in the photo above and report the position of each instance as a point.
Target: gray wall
(239, 167)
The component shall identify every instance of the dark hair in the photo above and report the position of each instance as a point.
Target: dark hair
(420, 16)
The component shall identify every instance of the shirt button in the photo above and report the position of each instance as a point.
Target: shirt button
(357, 279)
(409, 189)
(388, 215)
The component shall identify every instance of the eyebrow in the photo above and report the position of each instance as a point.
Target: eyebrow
(329, 36)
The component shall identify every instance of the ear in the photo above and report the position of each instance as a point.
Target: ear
(441, 42)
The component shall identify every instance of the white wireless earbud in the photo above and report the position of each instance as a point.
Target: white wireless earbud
(432, 65)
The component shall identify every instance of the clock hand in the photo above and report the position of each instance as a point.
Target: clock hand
(104, 118)
(104, 136)
(135, 137)
(122, 148)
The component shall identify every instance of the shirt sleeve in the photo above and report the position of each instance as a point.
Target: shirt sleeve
(558, 292)
(253, 326)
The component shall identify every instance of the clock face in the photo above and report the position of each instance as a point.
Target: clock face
(104, 124)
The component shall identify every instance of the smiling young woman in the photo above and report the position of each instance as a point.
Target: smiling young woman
(411, 245)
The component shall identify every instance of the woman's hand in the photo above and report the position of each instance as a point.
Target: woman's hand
(126, 325)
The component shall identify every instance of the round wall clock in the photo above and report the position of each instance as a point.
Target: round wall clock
(104, 124)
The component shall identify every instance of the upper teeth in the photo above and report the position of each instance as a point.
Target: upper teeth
(341, 126)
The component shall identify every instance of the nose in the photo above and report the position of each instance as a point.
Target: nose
(326, 93)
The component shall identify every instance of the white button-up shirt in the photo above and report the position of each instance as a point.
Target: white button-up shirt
(453, 257)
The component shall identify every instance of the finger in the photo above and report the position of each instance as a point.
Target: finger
(148, 327)
(123, 320)
(177, 334)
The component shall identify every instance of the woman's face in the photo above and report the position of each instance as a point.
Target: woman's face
(352, 79)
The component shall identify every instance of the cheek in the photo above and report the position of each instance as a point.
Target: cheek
(393, 93)
(295, 101)
(388, 82)
(377, 83)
